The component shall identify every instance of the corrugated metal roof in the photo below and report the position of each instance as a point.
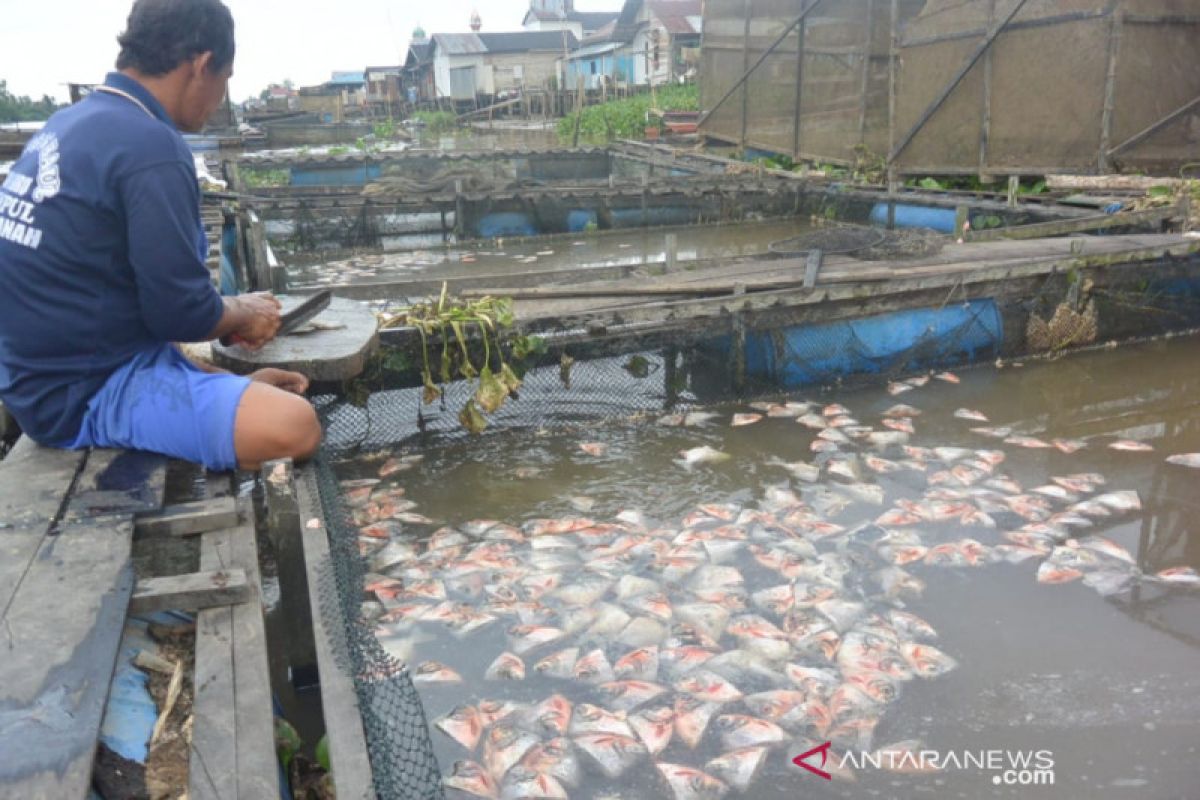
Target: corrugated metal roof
(594, 50)
(458, 44)
(521, 41)
(593, 20)
(462, 44)
(678, 16)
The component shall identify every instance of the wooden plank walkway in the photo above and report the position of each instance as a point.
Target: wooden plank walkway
(67, 584)
(765, 284)
(65, 581)
(233, 740)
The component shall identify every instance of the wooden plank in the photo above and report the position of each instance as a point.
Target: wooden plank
(257, 765)
(233, 745)
(59, 635)
(33, 482)
(1131, 183)
(339, 701)
(118, 482)
(214, 730)
(915, 279)
(187, 519)
(1098, 222)
(190, 592)
(283, 529)
(813, 267)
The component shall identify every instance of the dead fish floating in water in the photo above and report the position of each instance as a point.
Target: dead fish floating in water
(702, 455)
(745, 419)
(966, 413)
(1131, 446)
(688, 783)
(596, 449)
(1185, 460)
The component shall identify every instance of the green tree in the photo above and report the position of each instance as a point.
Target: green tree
(23, 109)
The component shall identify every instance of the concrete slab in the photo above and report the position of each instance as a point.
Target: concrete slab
(346, 334)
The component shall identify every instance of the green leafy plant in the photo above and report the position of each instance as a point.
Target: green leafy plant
(339, 150)
(437, 121)
(453, 322)
(385, 130)
(266, 178)
(627, 119)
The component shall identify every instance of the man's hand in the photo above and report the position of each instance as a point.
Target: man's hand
(259, 319)
(292, 382)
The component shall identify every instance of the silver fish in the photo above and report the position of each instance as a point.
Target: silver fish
(687, 783)
(613, 753)
(738, 768)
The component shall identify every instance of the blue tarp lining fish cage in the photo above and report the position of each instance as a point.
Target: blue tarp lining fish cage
(900, 341)
(353, 175)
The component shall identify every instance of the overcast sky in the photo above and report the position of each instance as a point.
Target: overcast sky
(47, 43)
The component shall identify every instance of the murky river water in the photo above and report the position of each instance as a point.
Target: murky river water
(529, 255)
(729, 615)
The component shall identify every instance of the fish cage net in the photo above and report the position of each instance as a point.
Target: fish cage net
(400, 749)
(865, 243)
(651, 377)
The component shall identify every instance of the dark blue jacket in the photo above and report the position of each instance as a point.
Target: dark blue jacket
(101, 256)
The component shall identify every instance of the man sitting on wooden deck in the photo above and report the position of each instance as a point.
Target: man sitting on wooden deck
(102, 267)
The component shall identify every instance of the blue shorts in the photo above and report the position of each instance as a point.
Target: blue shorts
(163, 403)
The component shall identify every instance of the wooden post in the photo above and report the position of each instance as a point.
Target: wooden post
(961, 217)
(672, 251)
(749, 7)
(460, 225)
(796, 120)
(985, 128)
(645, 198)
(283, 529)
(866, 73)
(670, 375)
(1014, 187)
(578, 110)
(738, 362)
(1110, 88)
(893, 183)
(812, 267)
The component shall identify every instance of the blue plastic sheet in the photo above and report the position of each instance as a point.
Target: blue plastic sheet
(899, 341)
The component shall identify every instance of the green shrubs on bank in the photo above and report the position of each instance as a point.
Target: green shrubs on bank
(437, 121)
(626, 119)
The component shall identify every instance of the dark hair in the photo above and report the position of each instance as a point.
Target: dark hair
(162, 34)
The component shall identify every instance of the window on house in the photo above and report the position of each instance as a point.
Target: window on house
(593, 67)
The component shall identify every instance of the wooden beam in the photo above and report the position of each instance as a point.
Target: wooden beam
(812, 268)
(59, 635)
(1156, 127)
(1135, 250)
(983, 47)
(1116, 183)
(188, 519)
(1110, 89)
(233, 744)
(339, 700)
(283, 529)
(1099, 222)
(191, 592)
(857, 275)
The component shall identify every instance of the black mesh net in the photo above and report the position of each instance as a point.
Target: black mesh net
(397, 734)
(654, 375)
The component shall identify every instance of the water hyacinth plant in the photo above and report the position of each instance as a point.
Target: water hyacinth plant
(453, 322)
